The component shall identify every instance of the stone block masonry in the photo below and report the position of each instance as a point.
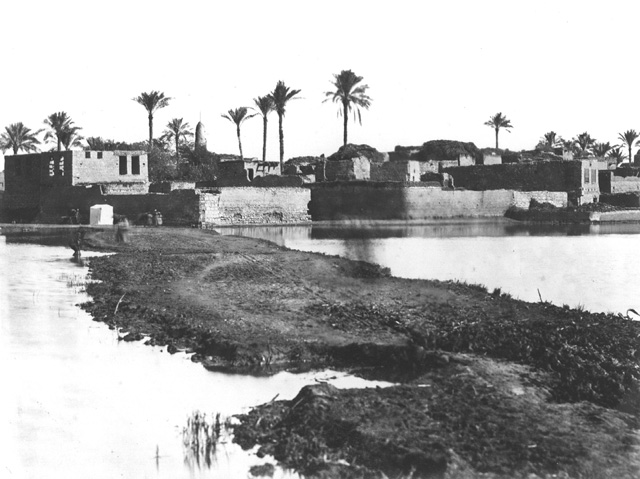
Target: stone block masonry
(395, 201)
(262, 205)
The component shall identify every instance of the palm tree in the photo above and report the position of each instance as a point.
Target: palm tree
(584, 142)
(70, 138)
(280, 95)
(617, 154)
(177, 129)
(265, 105)
(629, 137)
(498, 121)
(152, 102)
(238, 116)
(349, 95)
(60, 125)
(18, 137)
(550, 140)
(600, 149)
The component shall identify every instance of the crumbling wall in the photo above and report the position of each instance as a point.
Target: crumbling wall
(395, 201)
(262, 205)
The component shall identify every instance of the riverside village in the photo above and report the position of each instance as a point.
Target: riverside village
(442, 310)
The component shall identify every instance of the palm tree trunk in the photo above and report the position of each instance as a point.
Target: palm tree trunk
(629, 153)
(239, 142)
(345, 112)
(150, 131)
(281, 135)
(264, 138)
(59, 143)
(15, 149)
(497, 129)
(177, 150)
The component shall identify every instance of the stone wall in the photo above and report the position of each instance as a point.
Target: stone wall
(624, 184)
(169, 186)
(125, 188)
(394, 201)
(522, 199)
(627, 200)
(251, 205)
(578, 177)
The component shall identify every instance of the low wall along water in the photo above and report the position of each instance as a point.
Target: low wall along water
(388, 201)
(363, 200)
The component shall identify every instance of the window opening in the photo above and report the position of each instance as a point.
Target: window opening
(123, 165)
(135, 165)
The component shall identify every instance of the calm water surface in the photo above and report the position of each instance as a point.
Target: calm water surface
(593, 266)
(77, 403)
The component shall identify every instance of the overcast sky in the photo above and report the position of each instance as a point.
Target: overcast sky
(436, 70)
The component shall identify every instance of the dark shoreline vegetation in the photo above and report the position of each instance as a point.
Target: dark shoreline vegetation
(488, 386)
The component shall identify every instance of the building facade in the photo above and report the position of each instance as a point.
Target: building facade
(29, 178)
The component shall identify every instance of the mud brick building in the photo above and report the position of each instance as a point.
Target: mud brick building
(578, 178)
(31, 178)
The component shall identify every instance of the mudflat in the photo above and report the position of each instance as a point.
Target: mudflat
(487, 386)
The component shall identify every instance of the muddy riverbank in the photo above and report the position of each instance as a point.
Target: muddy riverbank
(488, 386)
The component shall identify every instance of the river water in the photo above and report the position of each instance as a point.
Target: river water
(78, 403)
(591, 266)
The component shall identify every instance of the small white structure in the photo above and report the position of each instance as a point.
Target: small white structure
(101, 215)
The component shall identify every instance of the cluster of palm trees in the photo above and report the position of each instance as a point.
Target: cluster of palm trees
(581, 145)
(348, 92)
(61, 129)
(584, 145)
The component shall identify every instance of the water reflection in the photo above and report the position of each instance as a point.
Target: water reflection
(578, 265)
(76, 402)
(200, 437)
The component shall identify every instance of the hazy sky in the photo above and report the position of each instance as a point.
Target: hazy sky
(436, 70)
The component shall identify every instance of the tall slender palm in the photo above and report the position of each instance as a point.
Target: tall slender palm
(349, 95)
(177, 129)
(60, 125)
(498, 121)
(238, 116)
(629, 137)
(152, 102)
(281, 95)
(265, 106)
(18, 137)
